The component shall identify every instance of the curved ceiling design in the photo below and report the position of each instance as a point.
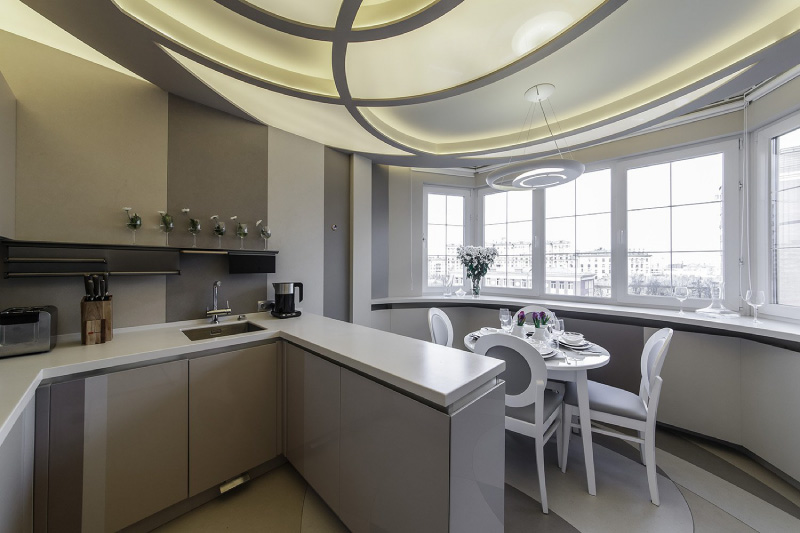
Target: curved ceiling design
(440, 83)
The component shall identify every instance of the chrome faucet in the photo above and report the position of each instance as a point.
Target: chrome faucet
(214, 313)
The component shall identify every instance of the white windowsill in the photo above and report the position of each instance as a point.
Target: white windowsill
(774, 329)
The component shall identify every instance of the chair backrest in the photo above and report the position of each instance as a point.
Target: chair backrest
(653, 355)
(440, 326)
(525, 374)
(534, 309)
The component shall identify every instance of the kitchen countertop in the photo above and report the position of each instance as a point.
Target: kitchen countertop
(434, 373)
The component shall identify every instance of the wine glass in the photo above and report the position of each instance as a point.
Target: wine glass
(219, 229)
(755, 299)
(241, 232)
(505, 320)
(681, 294)
(194, 226)
(167, 224)
(134, 221)
(265, 233)
(556, 331)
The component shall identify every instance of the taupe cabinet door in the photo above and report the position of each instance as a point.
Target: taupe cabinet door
(312, 426)
(232, 414)
(135, 452)
(395, 460)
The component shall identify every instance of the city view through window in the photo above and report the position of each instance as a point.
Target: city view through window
(674, 232)
(786, 219)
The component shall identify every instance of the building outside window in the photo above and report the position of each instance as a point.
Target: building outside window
(578, 236)
(675, 226)
(508, 226)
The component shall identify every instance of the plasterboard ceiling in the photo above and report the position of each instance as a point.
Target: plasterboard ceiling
(440, 83)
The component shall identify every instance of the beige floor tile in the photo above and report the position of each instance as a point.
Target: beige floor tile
(709, 518)
(318, 517)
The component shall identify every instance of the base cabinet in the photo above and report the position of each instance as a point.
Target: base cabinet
(312, 425)
(395, 460)
(232, 414)
(135, 456)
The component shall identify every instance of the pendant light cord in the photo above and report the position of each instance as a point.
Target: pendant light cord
(550, 129)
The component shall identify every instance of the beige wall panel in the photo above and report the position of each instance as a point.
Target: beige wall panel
(8, 155)
(217, 166)
(361, 242)
(702, 379)
(296, 213)
(770, 396)
(89, 142)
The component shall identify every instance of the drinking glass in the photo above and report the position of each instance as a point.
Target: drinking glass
(755, 299)
(505, 320)
(681, 294)
(265, 234)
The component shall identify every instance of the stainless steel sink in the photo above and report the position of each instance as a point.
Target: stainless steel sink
(221, 330)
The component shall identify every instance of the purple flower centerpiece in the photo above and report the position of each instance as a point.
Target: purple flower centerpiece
(540, 319)
(477, 260)
(521, 318)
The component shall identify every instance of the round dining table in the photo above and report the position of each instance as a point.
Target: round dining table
(572, 368)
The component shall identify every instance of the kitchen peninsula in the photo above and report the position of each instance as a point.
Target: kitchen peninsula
(382, 426)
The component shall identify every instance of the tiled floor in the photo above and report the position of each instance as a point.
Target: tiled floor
(704, 487)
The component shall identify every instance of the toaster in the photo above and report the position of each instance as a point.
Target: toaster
(26, 330)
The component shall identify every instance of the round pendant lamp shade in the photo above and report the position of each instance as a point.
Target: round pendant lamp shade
(525, 175)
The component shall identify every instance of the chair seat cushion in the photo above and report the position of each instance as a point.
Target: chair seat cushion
(607, 399)
(552, 401)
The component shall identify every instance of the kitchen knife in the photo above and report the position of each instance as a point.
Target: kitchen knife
(101, 288)
(89, 289)
(96, 285)
(105, 286)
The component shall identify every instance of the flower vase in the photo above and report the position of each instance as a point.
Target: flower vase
(540, 334)
(518, 331)
(476, 287)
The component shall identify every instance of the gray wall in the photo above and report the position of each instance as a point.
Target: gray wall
(336, 302)
(380, 231)
(8, 158)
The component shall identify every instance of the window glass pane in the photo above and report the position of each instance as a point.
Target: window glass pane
(437, 244)
(697, 227)
(496, 276)
(520, 238)
(649, 186)
(648, 229)
(494, 208)
(593, 193)
(560, 235)
(593, 274)
(436, 270)
(520, 206)
(787, 284)
(697, 271)
(455, 238)
(495, 235)
(653, 279)
(560, 200)
(437, 208)
(455, 210)
(787, 210)
(593, 233)
(518, 271)
(697, 180)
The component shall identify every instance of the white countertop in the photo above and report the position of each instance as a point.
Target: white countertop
(435, 373)
(774, 329)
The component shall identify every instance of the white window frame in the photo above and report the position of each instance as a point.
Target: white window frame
(730, 148)
(467, 194)
(537, 261)
(588, 299)
(761, 212)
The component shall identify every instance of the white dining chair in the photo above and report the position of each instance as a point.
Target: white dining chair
(440, 326)
(610, 405)
(531, 409)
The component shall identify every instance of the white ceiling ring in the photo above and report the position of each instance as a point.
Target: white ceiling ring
(537, 174)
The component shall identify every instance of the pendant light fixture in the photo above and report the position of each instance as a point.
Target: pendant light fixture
(540, 173)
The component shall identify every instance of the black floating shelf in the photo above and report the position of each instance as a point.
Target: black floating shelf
(37, 259)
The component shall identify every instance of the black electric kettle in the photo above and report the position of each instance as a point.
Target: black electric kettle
(284, 299)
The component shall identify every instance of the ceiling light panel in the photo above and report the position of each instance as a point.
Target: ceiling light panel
(626, 78)
(320, 13)
(328, 124)
(226, 38)
(472, 40)
(374, 13)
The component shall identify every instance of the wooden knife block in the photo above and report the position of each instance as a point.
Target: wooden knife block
(97, 325)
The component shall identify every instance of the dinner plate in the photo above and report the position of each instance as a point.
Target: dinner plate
(543, 348)
(582, 346)
(486, 331)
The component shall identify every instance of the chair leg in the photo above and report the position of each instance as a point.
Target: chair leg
(650, 453)
(566, 428)
(540, 468)
(641, 448)
(559, 436)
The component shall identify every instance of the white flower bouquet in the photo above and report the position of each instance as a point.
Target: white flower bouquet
(477, 260)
